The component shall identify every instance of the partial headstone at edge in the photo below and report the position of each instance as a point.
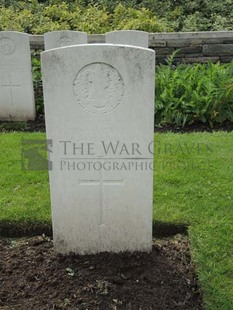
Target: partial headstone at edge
(56, 39)
(96, 95)
(16, 86)
(128, 37)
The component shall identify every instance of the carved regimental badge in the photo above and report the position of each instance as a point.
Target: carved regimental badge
(64, 41)
(99, 88)
(7, 46)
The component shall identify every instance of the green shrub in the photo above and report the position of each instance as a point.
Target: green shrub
(92, 19)
(38, 18)
(199, 15)
(183, 95)
(179, 15)
(37, 83)
(194, 93)
(129, 18)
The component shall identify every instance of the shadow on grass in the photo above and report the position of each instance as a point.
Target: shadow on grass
(13, 229)
(164, 229)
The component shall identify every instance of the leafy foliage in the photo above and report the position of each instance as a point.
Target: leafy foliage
(37, 83)
(194, 93)
(99, 16)
(199, 15)
(183, 95)
(129, 18)
(38, 18)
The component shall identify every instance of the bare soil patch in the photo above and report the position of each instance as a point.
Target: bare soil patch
(34, 276)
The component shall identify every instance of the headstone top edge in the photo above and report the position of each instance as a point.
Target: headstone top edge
(64, 31)
(94, 45)
(127, 31)
(14, 32)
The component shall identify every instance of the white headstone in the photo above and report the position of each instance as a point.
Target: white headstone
(99, 107)
(55, 39)
(128, 37)
(16, 87)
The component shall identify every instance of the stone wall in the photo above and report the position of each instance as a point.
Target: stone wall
(194, 47)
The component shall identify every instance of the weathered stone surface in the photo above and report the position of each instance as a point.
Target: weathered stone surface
(164, 51)
(16, 88)
(225, 59)
(128, 37)
(196, 59)
(164, 40)
(189, 35)
(158, 44)
(222, 40)
(96, 38)
(217, 49)
(57, 39)
(213, 41)
(190, 50)
(96, 96)
(36, 41)
(161, 60)
(195, 41)
(178, 43)
(227, 41)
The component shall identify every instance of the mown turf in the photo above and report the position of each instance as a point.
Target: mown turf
(196, 187)
(193, 182)
(24, 195)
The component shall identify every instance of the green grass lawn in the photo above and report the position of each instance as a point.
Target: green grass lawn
(193, 183)
(24, 195)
